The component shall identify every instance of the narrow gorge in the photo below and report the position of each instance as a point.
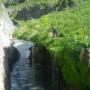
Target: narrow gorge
(25, 69)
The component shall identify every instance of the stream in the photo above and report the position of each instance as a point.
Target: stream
(24, 76)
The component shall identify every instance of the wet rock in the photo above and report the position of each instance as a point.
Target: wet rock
(42, 60)
(13, 57)
(35, 11)
(6, 29)
(7, 80)
(39, 55)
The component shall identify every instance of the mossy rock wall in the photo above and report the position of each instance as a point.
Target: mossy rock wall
(43, 60)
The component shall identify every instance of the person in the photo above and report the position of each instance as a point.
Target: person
(30, 55)
(54, 31)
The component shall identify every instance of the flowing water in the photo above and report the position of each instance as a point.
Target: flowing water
(24, 76)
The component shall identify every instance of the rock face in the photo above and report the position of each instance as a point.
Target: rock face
(5, 22)
(35, 11)
(4, 67)
(7, 80)
(4, 70)
(13, 56)
(39, 55)
(6, 41)
(8, 56)
(42, 60)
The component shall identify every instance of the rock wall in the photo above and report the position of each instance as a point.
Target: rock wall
(35, 11)
(6, 78)
(13, 57)
(8, 57)
(4, 69)
(44, 62)
(6, 41)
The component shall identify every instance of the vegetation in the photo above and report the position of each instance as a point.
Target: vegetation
(17, 5)
(1, 1)
(72, 25)
(0, 7)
